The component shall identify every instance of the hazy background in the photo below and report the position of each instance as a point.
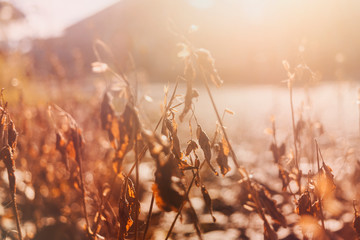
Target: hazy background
(248, 38)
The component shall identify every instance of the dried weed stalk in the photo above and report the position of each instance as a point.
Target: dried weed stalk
(8, 141)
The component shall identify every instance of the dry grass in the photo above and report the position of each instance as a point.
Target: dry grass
(104, 166)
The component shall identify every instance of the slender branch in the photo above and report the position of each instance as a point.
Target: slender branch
(136, 188)
(149, 216)
(181, 207)
(16, 213)
(82, 187)
(320, 200)
(233, 155)
(293, 124)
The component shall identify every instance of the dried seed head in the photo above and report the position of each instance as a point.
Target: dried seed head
(12, 135)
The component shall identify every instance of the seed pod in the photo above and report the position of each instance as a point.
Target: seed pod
(12, 135)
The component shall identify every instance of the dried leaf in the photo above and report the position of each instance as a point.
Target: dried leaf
(192, 146)
(183, 165)
(270, 207)
(278, 152)
(284, 176)
(269, 233)
(304, 205)
(204, 143)
(208, 201)
(324, 182)
(168, 190)
(7, 156)
(124, 134)
(12, 135)
(124, 214)
(107, 112)
(222, 157)
(357, 224)
(157, 145)
(175, 142)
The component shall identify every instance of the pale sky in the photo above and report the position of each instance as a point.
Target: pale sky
(49, 17)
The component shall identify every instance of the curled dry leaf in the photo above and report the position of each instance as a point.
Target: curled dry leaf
(208, 201)
(324, 182)
(278, 152)
(121, 130)
(204, 143)
(12, 135)
(168, 190)
(7, 156)
(222, 157)
(269, 233)
(192, 146)
(175, 142)
(107, 112)
(284, 176)
(270, 207)
(304, 206)
(357, 224)
(158, 146)
(127, 207)
(124, 133)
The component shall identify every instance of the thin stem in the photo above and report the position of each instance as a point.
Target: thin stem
(320, 200)
(136, 189)
(122, 229)
(234, 158)
(181, 207)
(359, 116)
(102, 207)
(293, 124)
(196, 221)
(295, 135)
(82, 187)
(16, 213)
(149, 216)
(143, 151)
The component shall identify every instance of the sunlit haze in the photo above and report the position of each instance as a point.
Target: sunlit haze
(179, 119)
(47, 18)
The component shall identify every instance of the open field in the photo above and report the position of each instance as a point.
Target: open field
(50, 193)
(256, 138)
